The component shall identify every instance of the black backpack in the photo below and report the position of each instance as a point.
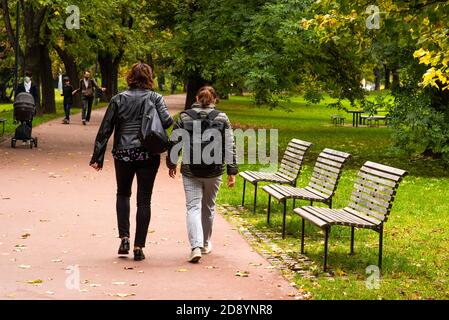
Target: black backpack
(152, 133)
(203, 169)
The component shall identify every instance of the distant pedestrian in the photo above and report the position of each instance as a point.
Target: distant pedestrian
(67, 93)
(86, 87)
(28, 86)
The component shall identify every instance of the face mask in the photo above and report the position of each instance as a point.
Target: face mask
(27, 79)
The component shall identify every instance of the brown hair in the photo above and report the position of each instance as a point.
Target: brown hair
(140, 76)
(207, 96)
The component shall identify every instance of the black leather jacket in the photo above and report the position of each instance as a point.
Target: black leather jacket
(124, 116)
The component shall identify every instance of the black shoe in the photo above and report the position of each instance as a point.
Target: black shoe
(84, 122)
(138, 255)
(124, 246)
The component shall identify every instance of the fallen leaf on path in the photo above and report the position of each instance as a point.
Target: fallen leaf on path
(95, 285)
(44, 220)
(24, 266)
(128, 268)
(141, 271)
(243, 274)
(164, 239)
(253, 264)
(50, 292)
(119, 283)
(56, 260)
(34, 282)
(83, 290)
(26, 235)
(122, 295)
(133, 284)
(182, 270)
(211, 267)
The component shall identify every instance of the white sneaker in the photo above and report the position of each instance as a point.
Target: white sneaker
(207, 248)
(195, 255)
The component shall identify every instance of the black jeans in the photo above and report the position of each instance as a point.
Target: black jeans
(146, 174)
(87, 107)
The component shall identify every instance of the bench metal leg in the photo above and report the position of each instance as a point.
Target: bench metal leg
(255, 197)
(244, 189)
(326, 240)
(294, 203)
(269, 209)
(302, 235)
(330, 203)
(381, 239)
(352, 241)
(311, 203)
(284, 218)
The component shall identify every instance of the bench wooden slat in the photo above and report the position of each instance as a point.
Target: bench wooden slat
(310, 217)
(359, 182)
(338, 153)
(319, 188)
(334, 164)
(366, 211)
(385, 168)
(363, 216)
(373, 193)
(377, 180)
(327, 168)
(364, 196)
(322, 172)
(324, 184)
(381, 174)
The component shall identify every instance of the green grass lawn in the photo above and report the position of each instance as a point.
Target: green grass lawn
(416, 236)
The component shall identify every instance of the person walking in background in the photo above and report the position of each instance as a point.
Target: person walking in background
(28, 86)
(86, 87)
(67, 93)
(124, 116)
(201, 180)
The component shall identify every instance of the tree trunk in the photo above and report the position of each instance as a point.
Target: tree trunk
(377, 79)
(150, 61)
(194, 83)
(109, 67)
(71, 70)
(34, 18)
(395, 83)
(387, 77)
(48, 90)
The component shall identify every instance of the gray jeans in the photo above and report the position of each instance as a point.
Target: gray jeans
(200, 201)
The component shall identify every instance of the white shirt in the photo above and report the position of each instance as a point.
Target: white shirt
(27, 86)
(86, 83)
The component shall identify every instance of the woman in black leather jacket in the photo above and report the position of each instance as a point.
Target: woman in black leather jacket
(123, 117)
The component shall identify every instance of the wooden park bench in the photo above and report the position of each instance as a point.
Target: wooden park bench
(3, 121)
(337, 120)
(369, 207)
(321, 187)
(373, 120)
(288, 172)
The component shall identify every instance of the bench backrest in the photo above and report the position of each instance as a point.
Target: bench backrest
(327, 172)
(375, 189)
(291, 163)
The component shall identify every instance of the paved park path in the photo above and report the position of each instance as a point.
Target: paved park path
(57, 213)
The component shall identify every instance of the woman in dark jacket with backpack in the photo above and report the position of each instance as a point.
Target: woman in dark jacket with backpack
(124, 118)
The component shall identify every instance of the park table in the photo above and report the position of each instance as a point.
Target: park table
(356, 117)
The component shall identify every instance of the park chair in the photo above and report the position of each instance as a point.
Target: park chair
(288, 172)
(369, 207)
(321, 187)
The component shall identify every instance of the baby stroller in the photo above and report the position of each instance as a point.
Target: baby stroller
(24, 110)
